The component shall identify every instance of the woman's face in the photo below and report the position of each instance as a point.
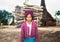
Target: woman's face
(29, 18)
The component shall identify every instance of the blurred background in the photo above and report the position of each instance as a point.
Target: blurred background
(47, 13)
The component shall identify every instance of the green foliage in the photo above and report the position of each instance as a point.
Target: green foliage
(58, 12)
(4, 16)
(1, 15)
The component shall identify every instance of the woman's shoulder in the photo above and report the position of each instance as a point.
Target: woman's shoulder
(23, 24)
(34, 23)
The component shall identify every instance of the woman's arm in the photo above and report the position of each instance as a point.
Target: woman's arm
(22, 33)
(37, 35)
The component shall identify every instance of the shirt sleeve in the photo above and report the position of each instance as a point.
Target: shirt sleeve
(37, 35)
(22, 33)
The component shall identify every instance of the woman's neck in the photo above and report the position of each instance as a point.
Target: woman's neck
(29, 22)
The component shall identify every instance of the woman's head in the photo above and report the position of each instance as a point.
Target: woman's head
(29, 15)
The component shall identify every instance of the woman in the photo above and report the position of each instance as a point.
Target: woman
(29, 32)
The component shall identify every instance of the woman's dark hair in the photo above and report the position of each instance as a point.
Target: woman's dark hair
(27, 12)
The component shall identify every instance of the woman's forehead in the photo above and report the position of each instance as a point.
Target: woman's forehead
(28, 15)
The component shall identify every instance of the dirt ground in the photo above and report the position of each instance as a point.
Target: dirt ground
(47, 34)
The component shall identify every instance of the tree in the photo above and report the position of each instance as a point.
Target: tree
(5, 16)
(1, 17)
(58, 13)
(57, 16)
(4, 20)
